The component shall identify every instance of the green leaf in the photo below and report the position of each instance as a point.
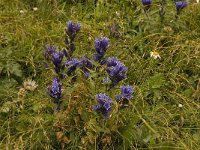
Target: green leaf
(156, 81)
(14, 68)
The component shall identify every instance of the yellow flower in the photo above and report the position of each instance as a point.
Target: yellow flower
(155, 55)
(30, 85)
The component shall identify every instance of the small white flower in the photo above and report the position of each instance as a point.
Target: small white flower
(30, 85)
(155, 55)
(21, 12)
(180, 105)
(35, 8)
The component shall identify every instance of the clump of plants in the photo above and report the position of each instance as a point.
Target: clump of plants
(92, 106)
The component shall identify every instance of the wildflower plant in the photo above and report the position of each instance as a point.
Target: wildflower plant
(66, 65)
(71, 32)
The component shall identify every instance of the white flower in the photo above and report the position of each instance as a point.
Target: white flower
(30, 85)
(180, 105)
(21, 12)
(155, 54)
(35, 8)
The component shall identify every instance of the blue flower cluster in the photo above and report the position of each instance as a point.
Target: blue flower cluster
(65, 65)
(104, 101)
(101, 45)
(116, 70)
(55, 91)
(49, 51)
(57, 58)
(72, 65)
(125, 96)
(104, 105)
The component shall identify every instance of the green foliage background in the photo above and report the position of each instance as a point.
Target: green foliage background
(153, 120)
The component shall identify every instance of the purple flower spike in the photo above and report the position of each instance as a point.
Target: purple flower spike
(57, 58)
(101, 45)
(104, 105)
(107, 105)
(55, 90)
(146, 2)
(111, 61)
(126, 96)
(127, 91)
(71, 31)
(102, 98)
(180, 5)
(72, 65)
(117, 73)
(49, 51)
(73, 27)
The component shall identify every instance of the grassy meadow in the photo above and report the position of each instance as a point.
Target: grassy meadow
(159, 47)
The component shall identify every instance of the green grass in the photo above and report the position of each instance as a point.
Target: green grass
(153, 120)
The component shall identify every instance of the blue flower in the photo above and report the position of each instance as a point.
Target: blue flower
(101, 45)
(127, 91)
(72, 65)
(49, 51)
(86, 65)
(104, 105)
(55, 90)
(111, 61)
(117, 73)
(146, 2)
(180, 5)
(125, 96)
(57, 58)
(73, 27)
(72, 30)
